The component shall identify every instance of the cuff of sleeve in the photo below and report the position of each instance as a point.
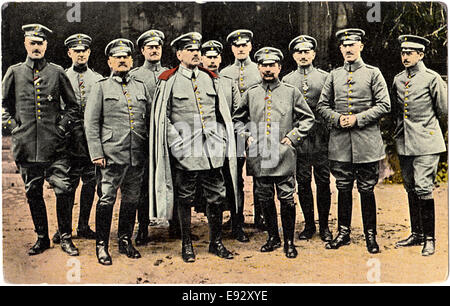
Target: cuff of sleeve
(361, 119)
(294, 138)
(334, 119)
(10, 124)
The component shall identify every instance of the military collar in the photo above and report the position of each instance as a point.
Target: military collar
(305, 69)
(36, 64)
(244, 63)
(188, 72)
(354, 66)
(80, 69)
(152, 66)
(420, 66)
(120, 79)
(270, 85)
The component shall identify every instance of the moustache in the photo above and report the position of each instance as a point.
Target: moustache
(155, 53)
(36, 51)
(123, 64)
(349, 53)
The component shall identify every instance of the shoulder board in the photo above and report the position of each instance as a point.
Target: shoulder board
(136, 79)
(370, 66)
(134, 69)
(226, 77)
(400, 73)
(289, 74)
(167, 74)
(16, 65)
(56, 65)
(289, 85)
(322, 71)
(432, 72)
(103, 79)
(209, 72)
(254, 86)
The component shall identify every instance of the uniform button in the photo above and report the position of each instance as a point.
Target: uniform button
(9, 121)
(293, 133)
(268, 126)
(39, 110)
(406, 116)
(406, 110)
(267, 132)
(349, 99)
(201, 113)
(242, 90)
(83, 104)
(268, 114)
(350, 91)
(37, 71)
(268, 101)
(200, 106)
(406, 98)
(298, 138)
(131, 114)
(37, 84)
(431, 132)
(39, 117)
(132, 127)
(268, 119)
(406, 92)
(38, 97)
(351, 72)
(129, 107)
(350, 113)
(132, 121)
(269, 107)
(81, 75)
(406, 104)
(38, 90)
(39, 103)
(349, 85)
(349, 105)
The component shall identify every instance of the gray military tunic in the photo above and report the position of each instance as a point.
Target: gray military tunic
(419, 102)
(309, 80)
(359, 89)
(271, 112)
(149, 73)
(116, 121)
(196, 140)
(82, 82)
(419, 98)
(245, 73)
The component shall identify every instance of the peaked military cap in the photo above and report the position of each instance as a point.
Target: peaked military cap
(350, 36)
(240, 37)
(191, 40)
(119, 47)
(151, 38)
(212, 48)
(413, 42)
(36, 31)
(302, 43)
(268, 55)
(78, 42)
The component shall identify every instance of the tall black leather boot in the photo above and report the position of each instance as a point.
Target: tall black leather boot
(323, 196)
(143, 213)
(271, 221)
(288, 222)
(428, 223)
(86, 200)
(64, 205)
(305, 196)
(416, 237)
(259, 221)
(127, 219)
(39, 217)
(103, 219)
(174, 224)
(214, 214)
(237, 224)
(345, 203)
(184, 215)
(369, 216)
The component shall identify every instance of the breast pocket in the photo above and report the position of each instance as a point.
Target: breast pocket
(110, 104)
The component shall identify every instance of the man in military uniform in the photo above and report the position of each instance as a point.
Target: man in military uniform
(191, 134)
(82, 79)
(419, 104)
(273, 117)
(211, 59)
(116, 130)
(150, 43)
(353, 99)
(33, 113)
(313, 152)
(245, 73)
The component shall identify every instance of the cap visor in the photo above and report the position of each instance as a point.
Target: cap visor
(349, 42)
(123, 53)
(211, 53)
(79, 48)
(152, 43)
(35, 38)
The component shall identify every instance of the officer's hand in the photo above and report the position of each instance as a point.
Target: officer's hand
(351, 120)
(250, 139)
(100, 162)
(343, 121)
(286, 141)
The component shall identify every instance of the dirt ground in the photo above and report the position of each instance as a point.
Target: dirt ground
(161, 261)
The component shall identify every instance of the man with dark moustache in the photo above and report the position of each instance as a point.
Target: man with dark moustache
(150, 43)
(33, 113)
(419, 98)
(273, 117)
(116, 130)
(211, 59)
(191, 135)
(353, 99)
(313, 152)
(82, 79)
(245, 73)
